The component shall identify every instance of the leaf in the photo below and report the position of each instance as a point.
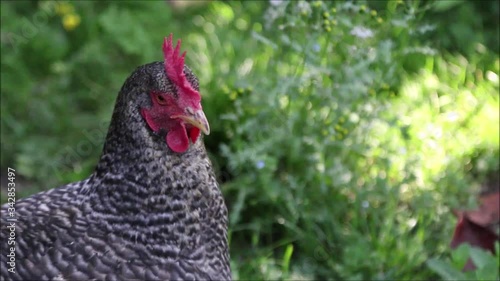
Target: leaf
(264, 40)
(480, 257)
(391, 6)
(441, 6)
(489, 271)
(235, 215)
(445, 270)
(460, 256)
(286, 258)
(126, 36)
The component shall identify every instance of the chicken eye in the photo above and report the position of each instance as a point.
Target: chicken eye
(161, 100)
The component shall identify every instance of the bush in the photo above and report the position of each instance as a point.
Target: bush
(486, 264)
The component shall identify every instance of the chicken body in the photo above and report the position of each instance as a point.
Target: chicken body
(146, 213)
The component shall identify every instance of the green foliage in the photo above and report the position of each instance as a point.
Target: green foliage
(342, 133)
(478, 23)
(451, 269)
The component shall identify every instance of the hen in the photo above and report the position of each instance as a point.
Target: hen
(151, 210)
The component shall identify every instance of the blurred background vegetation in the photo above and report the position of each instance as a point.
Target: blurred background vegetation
(344, 132)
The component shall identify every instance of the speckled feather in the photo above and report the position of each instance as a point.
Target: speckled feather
(146, 213)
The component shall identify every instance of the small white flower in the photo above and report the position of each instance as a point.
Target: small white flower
(276, 2)
(365, 204)
(362, 32)
(260, 164)
(304, 7)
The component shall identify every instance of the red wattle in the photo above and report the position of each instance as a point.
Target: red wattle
(177, 139)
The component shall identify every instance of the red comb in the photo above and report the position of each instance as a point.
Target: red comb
(174, 66)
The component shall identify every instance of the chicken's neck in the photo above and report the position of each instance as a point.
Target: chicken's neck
(167, 196)
(137, 173)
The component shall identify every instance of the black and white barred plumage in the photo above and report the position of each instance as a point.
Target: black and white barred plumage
(146, 213)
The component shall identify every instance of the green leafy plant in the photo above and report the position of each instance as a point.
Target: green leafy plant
(486, 264)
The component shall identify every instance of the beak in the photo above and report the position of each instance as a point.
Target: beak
(197, 119)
